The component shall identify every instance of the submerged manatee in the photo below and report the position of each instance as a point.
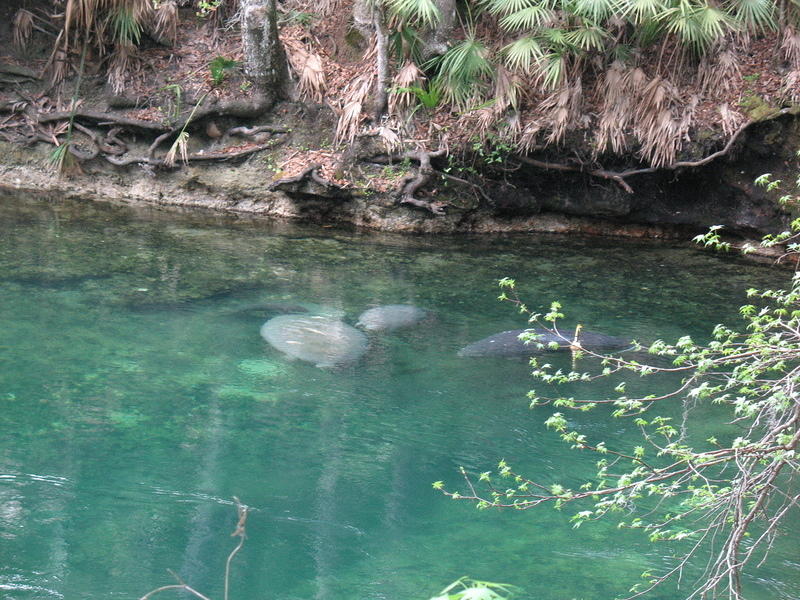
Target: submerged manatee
(317, 339)
(391, 316)
(507, 343)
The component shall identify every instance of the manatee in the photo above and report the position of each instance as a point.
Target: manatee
(507, 343)
(391, 316)
(321, 340)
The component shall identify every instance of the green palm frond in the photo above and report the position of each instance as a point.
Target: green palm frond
(754, 14)
(696, 25)
(587, 38)
(507, 7)
(462, 71)
(595, 10)
(422, 12)
(640, 11)
(531, 17)
(126, 28)
(522, 54)
(556, 37)
(553, 69)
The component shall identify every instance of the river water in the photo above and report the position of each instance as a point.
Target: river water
(137, 398)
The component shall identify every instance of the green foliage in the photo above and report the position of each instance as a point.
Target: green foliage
(712, 494)
(467, 588)
(206, 8)
(416, 12)
(219, 67)
(125, 27)
(462, 71)
(429, 98)
(554, 40)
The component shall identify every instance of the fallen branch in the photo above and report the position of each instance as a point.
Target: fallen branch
(241, 511)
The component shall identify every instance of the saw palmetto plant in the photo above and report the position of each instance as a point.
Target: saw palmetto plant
(553, 45)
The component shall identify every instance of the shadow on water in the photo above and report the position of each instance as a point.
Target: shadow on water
(137, 397)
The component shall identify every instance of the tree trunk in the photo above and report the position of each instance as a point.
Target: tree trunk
(437, 41)
(265, 62)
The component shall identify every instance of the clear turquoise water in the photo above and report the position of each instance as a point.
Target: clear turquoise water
(137, 397)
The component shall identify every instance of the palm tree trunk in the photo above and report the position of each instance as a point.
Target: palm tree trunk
(264, 59)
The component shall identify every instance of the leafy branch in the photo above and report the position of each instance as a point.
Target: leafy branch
(713, 496)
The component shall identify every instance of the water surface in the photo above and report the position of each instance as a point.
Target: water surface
(137, 398)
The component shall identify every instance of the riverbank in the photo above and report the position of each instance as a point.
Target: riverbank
(665, 203)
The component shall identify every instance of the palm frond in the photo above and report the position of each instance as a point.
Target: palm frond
(522, 54)
(639, 11)
(355, 95)
(618, 87)
(717, 73)
(407, 79)
(697, 26)
(164, 21)
(729, 119)
(790, 86)
(308, 68)
(754, 15)
(463, 71)
(179, 146)
(422, 12)
(587, 38)
(506, 91)
(595, 10)
(125, 26)
(552, 69)
(507, 7)
(531, 17)
(790, 46)
(562, 109)
(23, 27)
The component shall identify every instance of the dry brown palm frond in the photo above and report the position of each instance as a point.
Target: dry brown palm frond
(529, 139)
(179, 146)
(120, 66)
(687, 117)
(163, 22)
(562, 110)
(391, 141)
(354, 97)
(407, 78)
(58, 66)
(716, 76)
(506, 90)
(729, 119)
(790, 86)
(308, 68)
(619, 94)
(655, 126)
(790, 46)
(23, 28)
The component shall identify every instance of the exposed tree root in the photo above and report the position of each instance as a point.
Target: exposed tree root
(296, 183)
(112, 148)
(196, 157)
(412, 183)
(619, 176)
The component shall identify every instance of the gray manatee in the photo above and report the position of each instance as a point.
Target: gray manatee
(507, 343)
(391, 316)
(321, 340)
